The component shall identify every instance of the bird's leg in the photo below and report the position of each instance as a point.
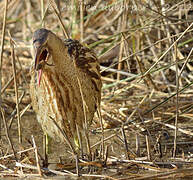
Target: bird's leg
(82, 143)
(78, 142)
(46, 149)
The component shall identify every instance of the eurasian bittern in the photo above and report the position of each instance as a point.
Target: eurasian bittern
(65, 84)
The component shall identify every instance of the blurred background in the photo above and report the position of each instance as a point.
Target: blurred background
(145, 51)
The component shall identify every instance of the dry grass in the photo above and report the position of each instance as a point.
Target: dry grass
(145, 51)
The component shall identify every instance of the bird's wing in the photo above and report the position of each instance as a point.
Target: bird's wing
(85, 60)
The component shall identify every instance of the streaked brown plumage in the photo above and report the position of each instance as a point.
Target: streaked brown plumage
(54, 87)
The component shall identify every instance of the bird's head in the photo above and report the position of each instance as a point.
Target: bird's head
(41, 37)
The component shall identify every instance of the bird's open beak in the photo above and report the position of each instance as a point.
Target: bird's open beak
(41, 57)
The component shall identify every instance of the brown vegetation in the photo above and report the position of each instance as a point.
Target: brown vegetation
(145, 51)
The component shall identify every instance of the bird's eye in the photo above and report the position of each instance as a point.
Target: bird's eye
(43, 55)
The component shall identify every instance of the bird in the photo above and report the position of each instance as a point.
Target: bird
(65, 86)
